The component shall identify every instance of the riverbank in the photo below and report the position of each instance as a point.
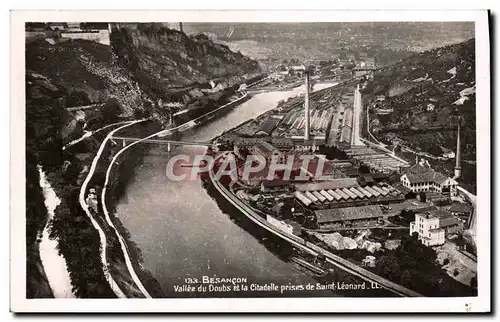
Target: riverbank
(119, 180)
(121, 266)
(286, 252)
(164, 219)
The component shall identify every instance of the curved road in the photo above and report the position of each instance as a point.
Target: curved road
(102, 236)
(90, 133)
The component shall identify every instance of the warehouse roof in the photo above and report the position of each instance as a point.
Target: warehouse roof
(460, 207)
(351, 213)
(339, 183)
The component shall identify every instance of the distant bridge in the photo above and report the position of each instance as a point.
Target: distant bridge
(169, 143)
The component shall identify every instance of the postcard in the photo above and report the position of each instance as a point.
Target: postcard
(223, 161)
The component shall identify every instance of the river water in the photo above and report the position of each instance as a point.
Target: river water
(183, 233)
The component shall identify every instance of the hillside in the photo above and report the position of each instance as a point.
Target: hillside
(418, 101)
(63, 73)
(171, 64)
(144, 67)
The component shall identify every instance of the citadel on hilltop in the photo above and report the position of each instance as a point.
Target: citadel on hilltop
(63, 31)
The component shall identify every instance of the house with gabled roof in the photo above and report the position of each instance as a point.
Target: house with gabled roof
(421, 177)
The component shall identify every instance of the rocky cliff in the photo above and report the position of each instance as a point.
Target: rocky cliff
(169, 64)
(146, 64)
(139, 74)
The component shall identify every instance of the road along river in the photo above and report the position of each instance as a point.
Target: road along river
(184, 235)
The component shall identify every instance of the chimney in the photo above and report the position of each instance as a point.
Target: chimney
(306, 107)
(458, 167)
(355, 132)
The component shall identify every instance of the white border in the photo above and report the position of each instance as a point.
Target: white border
(18, 251)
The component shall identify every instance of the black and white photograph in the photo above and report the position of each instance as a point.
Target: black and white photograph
(232, 159)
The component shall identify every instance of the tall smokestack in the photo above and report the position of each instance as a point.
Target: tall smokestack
(458, 167)
(356, 119)
(180, 27)
(306, 107)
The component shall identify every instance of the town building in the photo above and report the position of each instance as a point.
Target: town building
(432, 227)
(267, 150)
(460, 209)
(437, 199)
(269, 125)
(349, 217)
(421, 177)
(369, 261)
(276, 185)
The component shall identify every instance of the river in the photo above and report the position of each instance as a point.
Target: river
(182, 232)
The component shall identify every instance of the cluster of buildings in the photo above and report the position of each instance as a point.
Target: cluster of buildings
(294, 122)
(377, 160)
(348, 198)
(344, 202)
(345, 192)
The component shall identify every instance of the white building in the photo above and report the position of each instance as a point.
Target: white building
(427, 227)
(423, 178)
(432, 227)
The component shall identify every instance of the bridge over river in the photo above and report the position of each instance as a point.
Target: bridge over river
(169, 143)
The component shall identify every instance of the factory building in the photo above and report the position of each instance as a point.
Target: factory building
(349, 217)
(267, 186)
(267, 150)
(345, 192)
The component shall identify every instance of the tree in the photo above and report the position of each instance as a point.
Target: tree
(77, 98)
(407, 214)
(406, 278)
(110, 110)
(388, 266)
(422, 196)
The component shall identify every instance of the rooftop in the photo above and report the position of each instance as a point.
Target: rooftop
(450, 221)
(269, 125)
(275, 183)
(339, 183)
(351, 213)
(399, 186)
(421, 174)
(265, 148)
(460, 207)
